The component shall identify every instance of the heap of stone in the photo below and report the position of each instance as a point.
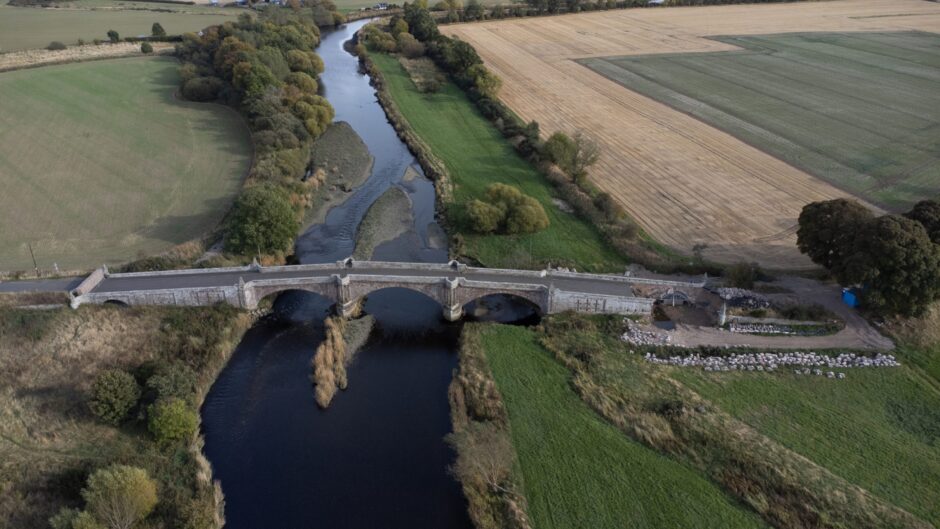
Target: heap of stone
(739, 297)
(637, 336)
(771, 361)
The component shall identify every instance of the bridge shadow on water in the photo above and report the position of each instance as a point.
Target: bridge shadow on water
(376, 457)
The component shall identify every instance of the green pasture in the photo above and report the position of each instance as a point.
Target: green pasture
(99, 162)
(476, 155)
(878, 428)
(859, 110)
(30, 27)
(580, 471)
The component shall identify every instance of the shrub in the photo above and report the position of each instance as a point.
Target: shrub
(174, 381)
(171, 420)
(507, 210)
(56, 45)
(742, 275)
(146, 48)
(263, 221)
(157, 30)
(119, 496)
(409, 46)
(202, 88)
(484, 218)
(113, 36)
(113, 394)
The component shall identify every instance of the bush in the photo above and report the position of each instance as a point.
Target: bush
(119, 496)
(157, 30)
(263, 221)
(409, 46)
(742, 275)
(113, 394)
(56, 45)
(113, 36)
(174, 381)
(507, 210)
(146, 48)
(484, 218)
(171, 420)
(202, 88)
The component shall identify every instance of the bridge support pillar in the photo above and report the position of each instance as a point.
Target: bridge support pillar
(453, 310)
(346, 305)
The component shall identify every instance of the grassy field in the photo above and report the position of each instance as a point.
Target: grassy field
(476, 155)
(580, 471)
(99, 162)
(880, 429)
(683, 180)
(50, 441)
(799, 97)
(27, 27)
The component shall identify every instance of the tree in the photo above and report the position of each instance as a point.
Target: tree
(409, 46)
(897, 264)
(171, 420)
(572, 154)
(263, 221)
(420, 22)
(113, 36)
(485, 81)
(460, 56)
(202, 88)
(586, 154)
(827, 231)
(113, 394)
(398, 26)
(474, 10)
(157, 30)
(927, 212)
(146, 48)
(119, 496)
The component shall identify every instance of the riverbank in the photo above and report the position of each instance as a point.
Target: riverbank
(475, 155)
(50, 441)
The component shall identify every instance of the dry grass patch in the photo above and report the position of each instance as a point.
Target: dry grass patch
(424, 73)
(685, 182)
(49, 440)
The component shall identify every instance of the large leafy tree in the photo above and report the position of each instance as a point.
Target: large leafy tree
(827, 231)
(113, 394)
(119, 496)
(898, 265)
(263, 222)
(927, 212)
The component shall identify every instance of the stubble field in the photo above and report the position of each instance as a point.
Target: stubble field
(100, 162)
(686, 182)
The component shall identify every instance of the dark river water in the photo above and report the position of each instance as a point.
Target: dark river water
(376, 458)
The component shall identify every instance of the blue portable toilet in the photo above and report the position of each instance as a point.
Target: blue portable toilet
(849, 297)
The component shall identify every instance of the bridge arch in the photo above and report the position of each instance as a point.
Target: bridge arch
(506, 307)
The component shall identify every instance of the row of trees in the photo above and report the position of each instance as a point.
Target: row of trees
(564, 160)
(894, 259)
(267, 68)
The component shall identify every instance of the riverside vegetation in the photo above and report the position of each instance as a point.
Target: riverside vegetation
(343, 338)
(602, 239)
(89, 394)
(860, 452)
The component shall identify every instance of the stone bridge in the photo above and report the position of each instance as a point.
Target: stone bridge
(346, 283)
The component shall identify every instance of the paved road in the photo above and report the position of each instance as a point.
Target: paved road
(41, 285)
(586, 284)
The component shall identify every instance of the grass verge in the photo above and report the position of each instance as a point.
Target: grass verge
(801, 452)
(476, 155)
(580, 471)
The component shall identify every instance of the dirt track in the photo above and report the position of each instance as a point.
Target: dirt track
(684, 181)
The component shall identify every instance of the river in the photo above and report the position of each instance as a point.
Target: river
(377, 457)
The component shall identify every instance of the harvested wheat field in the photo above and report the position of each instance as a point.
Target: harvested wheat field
(685, 182)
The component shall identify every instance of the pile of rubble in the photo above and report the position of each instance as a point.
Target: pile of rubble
(637, 336)
(742, 298)
(807, 362)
